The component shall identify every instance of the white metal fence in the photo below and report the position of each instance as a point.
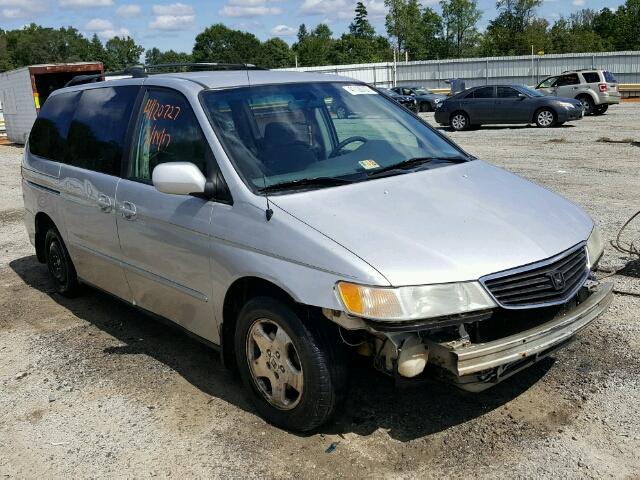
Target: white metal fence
(479, 71)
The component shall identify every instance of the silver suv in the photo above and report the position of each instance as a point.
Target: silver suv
(237, 205)
(596, 89)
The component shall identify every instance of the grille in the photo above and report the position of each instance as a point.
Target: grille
(546, 283)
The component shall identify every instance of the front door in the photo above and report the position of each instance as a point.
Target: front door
(568, 85)
(510, 107)
(90, 178)
(164, 238)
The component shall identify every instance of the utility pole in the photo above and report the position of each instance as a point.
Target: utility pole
(296, 57)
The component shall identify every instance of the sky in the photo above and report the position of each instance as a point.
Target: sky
(173, 24)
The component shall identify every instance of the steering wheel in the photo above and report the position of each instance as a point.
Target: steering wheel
(345, 142)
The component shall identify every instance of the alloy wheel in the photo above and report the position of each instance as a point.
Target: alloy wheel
(274, 364)
(545, 118)
(459, 121)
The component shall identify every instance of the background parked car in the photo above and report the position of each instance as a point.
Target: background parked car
(406, 100)
(427, 100)
(506, 104)
(596, 89)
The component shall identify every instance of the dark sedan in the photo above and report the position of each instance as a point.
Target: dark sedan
(406, 100)
(427, 100)
(503, 104)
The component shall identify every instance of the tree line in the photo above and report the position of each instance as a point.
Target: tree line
(413, 31)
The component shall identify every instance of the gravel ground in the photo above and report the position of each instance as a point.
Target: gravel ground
(91, 388)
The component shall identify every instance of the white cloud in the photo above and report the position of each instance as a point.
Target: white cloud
(172, 17)
(283, 31)
(325, 7)
(578, 3)
(85, 3)
(105, 29)
(376, 9)
(173, 9)
(21, 8)
(108, 34)
(129, 10)
(98, 24)
(248, 8)
(172, 22)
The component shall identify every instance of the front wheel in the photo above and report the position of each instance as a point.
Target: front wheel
(545, 118)
(459, 121)
(294, 370)
(587, 105)
(600, 109)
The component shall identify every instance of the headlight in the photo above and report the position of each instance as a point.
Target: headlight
(595, 247)
(415, 302)
(567, 105)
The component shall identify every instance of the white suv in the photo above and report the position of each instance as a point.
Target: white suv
(596, 89)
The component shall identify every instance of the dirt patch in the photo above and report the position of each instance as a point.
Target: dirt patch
(90, 387)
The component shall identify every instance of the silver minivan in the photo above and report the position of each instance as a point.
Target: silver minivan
(237, 205)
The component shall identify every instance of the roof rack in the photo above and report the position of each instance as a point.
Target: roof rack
(141, 71)
(205, 66)
(135, 72)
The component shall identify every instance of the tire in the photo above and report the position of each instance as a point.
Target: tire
(61, 269)
(341, 112)
(587, 104)
(459, 121)
(545, 118)
(600, 109)
(426, 107)
(307, 353)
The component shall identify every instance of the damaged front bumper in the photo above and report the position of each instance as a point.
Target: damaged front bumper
(476, 367)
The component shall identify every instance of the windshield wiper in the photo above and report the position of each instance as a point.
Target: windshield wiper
(306, 182)
(413, 162)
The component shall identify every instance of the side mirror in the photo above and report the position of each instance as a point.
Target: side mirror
(178, 178)
(522, 96)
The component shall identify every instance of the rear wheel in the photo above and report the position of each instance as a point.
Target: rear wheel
(587, 104)
(459, 121)
(425, 107)
(59, 264)
(294, 370)
(545, 118)
(600, 109)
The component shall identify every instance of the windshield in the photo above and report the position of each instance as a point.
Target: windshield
(530, 91)
(609, 77)
(276, 134)
(422, 91)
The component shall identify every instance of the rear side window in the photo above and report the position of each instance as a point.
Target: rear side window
(484, 92)
(609, 77)
(507, 92)
(591, 77)
(97, 132)
(48, 137)
(167, 131)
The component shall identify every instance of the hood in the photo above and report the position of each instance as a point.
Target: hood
(573, 101)
(453, 223)
(431, 96)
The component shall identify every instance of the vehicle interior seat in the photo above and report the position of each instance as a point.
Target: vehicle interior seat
(283, 151)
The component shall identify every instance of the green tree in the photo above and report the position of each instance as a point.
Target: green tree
(122, 52)
(508, 34)
(460, 19)
(432, 35)
(361, 27)
(628, 15)
(316, 48)
(276, 54)
(402, 23)
(219, 43)
(96, 50)
(302, 33)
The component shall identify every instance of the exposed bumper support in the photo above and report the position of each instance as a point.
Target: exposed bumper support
(476, 367)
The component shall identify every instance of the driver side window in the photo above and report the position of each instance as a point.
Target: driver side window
(167, 131)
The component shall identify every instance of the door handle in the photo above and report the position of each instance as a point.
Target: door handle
(128, 210)
(104, 202)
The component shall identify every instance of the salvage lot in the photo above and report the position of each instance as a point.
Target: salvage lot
(90, 387)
